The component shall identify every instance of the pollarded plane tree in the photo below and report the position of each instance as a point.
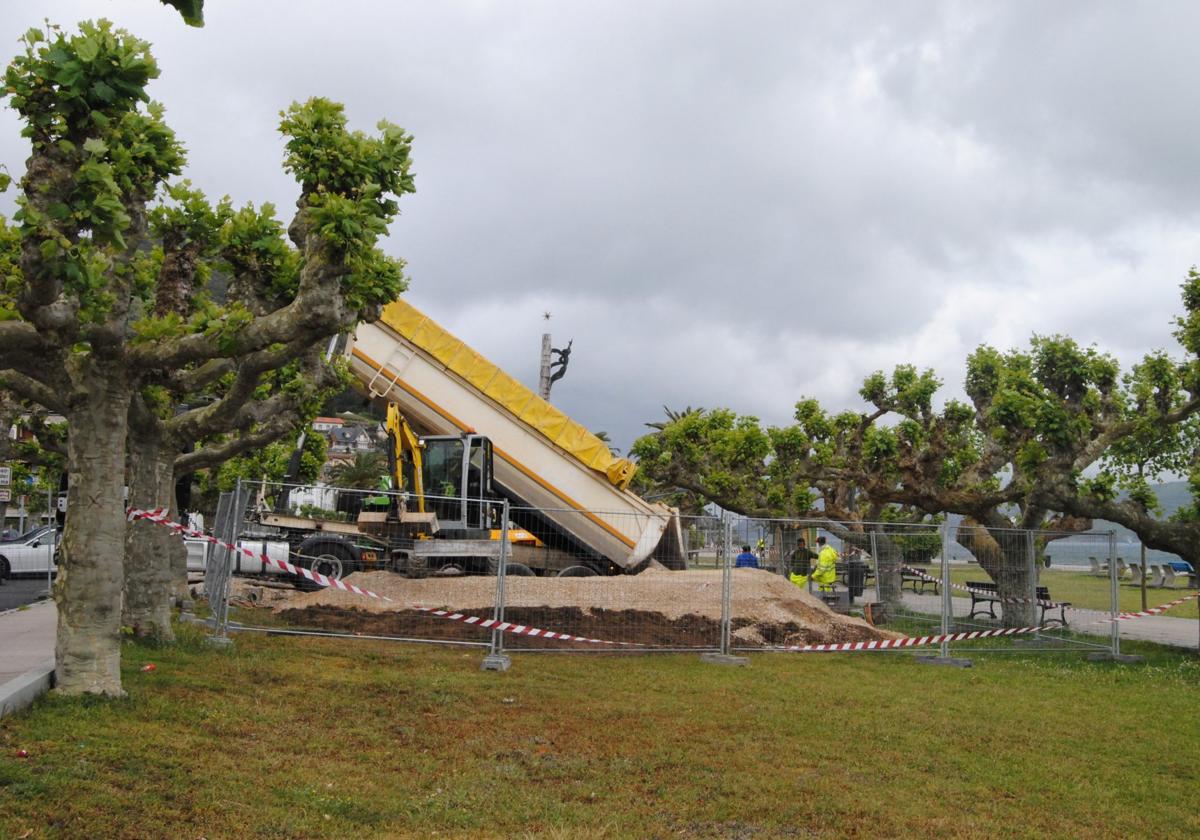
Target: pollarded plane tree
(199, 417)
(797, 472)
(79, 333)
(903, 460)
(1155, 435)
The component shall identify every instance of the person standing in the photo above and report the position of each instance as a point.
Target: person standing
(745, 560)
(826, 572)
(802, 557)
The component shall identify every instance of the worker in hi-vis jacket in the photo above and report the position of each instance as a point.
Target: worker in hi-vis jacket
(826, 572)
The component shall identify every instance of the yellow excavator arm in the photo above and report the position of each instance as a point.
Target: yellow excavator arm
(403, 439)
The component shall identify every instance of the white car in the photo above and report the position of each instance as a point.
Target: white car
(29, 554)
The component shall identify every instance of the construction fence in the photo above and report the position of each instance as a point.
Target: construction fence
(531, 580)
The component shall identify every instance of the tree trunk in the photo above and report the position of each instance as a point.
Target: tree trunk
(1005, 556)
(888, 561)
(149, 547)
(88, 587)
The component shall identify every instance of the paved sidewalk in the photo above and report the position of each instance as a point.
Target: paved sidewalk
(1178, 632)
(28, 639)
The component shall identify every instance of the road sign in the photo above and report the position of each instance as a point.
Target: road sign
(5, 476)
(5, 494)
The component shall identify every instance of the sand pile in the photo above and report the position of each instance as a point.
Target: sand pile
(657, 606)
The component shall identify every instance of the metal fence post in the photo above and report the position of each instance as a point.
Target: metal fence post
(726, 587)
(947, 604)
(53, 541)
(878, 568)
(1031, 589)
(496, 659)
(943, 657)
(1114, 594)
(724, 656)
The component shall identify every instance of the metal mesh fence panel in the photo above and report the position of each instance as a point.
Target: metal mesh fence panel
(813, 582)
(630, 599)
(1006, 581)
(599, 581)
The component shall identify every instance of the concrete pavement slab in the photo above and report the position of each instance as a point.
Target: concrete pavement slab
(27, 638)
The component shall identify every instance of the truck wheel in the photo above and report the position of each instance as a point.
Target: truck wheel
(518, 570)
(577, 571)
(329, 559)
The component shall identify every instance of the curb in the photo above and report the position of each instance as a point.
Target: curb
(20, 692)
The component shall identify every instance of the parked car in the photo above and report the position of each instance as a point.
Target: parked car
(29, 554)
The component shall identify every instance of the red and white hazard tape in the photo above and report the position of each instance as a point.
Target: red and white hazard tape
(1122, 617)
(161, 516)
(519, 629)
(1162, 608)
(906, 642)
(990, 593)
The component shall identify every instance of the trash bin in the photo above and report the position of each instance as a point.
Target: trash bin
(856, 578)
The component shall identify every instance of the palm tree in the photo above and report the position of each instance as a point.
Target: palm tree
(672, 416)
(616, 450)
(360, 474)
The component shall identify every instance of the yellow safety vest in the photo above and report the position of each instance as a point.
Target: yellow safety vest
(826, 572)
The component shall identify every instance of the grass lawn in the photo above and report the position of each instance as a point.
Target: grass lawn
(299, 737)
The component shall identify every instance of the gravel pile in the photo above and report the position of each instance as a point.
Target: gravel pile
(760, 599)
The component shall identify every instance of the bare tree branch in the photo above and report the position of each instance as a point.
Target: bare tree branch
(218, 453)
(29, 388)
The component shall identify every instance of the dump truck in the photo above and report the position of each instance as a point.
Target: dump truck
(484, 438)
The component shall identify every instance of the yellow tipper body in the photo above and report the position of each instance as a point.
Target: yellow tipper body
(524, 404)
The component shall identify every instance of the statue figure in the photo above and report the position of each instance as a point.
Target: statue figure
(558, 368)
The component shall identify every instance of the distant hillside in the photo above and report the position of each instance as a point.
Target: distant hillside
(1172, 495)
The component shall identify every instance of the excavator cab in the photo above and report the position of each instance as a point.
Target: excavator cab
(449, 476)
(457, 477)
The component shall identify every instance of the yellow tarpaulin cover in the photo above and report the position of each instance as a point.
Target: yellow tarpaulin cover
(514, 397)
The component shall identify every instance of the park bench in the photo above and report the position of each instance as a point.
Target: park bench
(918, 583)
(984, 592)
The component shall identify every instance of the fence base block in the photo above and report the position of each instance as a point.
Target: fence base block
(952, 661)
(495, 662)
(724, 659)
(1122, 658)
(218, 642)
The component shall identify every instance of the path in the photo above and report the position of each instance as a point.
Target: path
(1177, 632)
(27, 654)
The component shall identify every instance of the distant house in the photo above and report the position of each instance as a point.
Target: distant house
(325, 425)
(351, 439)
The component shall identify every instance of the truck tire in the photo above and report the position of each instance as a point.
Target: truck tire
(331, 559)
(5, 569)
(577, 571)
(518, 570)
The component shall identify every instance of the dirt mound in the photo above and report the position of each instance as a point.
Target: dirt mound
(679, 609)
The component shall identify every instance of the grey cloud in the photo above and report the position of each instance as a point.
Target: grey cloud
(729, 204)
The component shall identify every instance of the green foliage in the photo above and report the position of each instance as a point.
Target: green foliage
(362, 473)
(254, 244)
(269, 463)
(101, 147)
(68, 87)
(351, 182)
(192, 11)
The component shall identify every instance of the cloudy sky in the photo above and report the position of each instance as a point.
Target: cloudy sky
(728, 204)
